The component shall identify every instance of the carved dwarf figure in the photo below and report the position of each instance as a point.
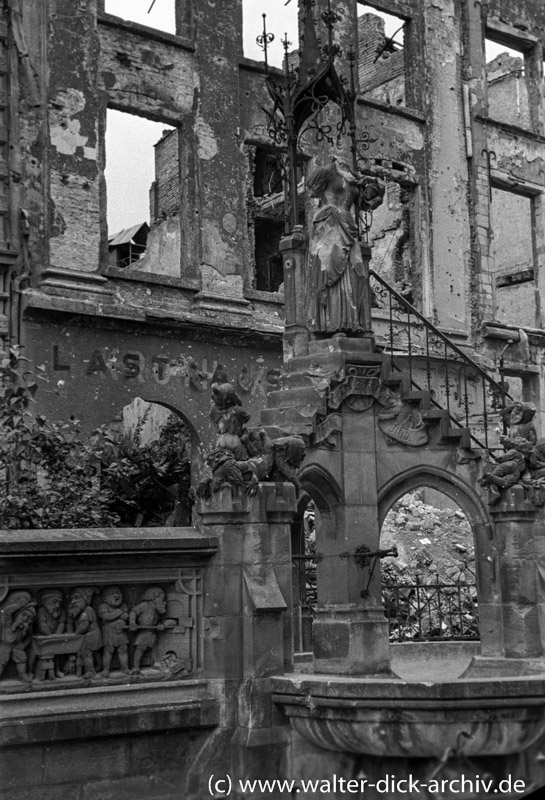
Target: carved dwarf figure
(519, 419)
(509, 469)
(50, 620)
(230, 419)
(114, 615)
(536, 461)
(83, 620)
(17, 615)
(147, 616)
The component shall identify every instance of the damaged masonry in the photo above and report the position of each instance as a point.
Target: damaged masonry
(329, 294)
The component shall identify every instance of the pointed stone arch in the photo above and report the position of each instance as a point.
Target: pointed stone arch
(425, 475)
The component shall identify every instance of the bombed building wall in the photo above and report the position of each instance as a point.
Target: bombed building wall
(211, 255)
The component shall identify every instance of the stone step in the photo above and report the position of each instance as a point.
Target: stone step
(461, 435)
(420, 396)
(295, 398)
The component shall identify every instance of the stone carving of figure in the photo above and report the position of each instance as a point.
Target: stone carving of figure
(17, 615)
(83, 620)
(337, 276)
(147, 616)
(230, 419)
(114, 615)
(50, 620)
(519, 418)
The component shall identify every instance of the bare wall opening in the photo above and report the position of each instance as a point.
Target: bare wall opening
(143, 193)
(509, 77)
(381, 55)
(513, 257)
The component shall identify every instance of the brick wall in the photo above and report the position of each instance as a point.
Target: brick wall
(381, 78)
(165, 190)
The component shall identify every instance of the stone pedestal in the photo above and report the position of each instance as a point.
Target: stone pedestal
(351, 640)
(247, 609)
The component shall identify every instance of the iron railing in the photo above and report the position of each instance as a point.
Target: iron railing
(456, 383)
(431, 611)
(416, 610)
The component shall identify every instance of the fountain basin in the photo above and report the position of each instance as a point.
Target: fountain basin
(411, 719)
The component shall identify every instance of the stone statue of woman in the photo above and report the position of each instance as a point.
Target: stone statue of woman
(337, 274)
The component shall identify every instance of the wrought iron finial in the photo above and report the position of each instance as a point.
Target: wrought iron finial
(264, 41)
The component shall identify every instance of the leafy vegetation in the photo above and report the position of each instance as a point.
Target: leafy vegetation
(54, 477)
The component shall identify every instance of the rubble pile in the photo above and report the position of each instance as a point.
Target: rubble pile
(433, 543)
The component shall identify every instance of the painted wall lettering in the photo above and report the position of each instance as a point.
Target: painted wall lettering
(195, 374)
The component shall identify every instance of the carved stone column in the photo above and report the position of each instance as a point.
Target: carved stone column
(519, 564)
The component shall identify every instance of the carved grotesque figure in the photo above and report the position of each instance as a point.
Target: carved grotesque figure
(83, 620)
(17, 615)
(337, 276)
(115, 616)
(146, 617)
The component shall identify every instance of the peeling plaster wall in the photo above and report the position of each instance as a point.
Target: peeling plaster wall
(73, 135)
(448, 175)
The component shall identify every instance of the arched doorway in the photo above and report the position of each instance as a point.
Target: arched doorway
(147, 464)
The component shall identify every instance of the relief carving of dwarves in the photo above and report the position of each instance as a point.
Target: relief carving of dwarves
(338, 299)
(114, 615)
(82, 620)
(17, 615)
(146, 617)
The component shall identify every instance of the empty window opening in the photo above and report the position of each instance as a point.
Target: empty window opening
(381, 55)
(392, 240)
(513, 257)
(141, 183)
(267, 215)
(507, 88)
(268, 198)
(281, 20)
(159, 14)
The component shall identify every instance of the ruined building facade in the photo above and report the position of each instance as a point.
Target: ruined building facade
(461, 233)
(195, 294)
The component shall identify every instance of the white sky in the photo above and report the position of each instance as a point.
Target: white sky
(130, 139)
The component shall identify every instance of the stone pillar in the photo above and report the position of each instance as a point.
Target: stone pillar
(522, 608)
(247, 609)
(294, 249)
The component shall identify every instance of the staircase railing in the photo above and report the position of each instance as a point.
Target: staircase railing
(466, 388)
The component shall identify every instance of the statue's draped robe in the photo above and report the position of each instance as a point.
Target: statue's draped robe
(338, 278)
